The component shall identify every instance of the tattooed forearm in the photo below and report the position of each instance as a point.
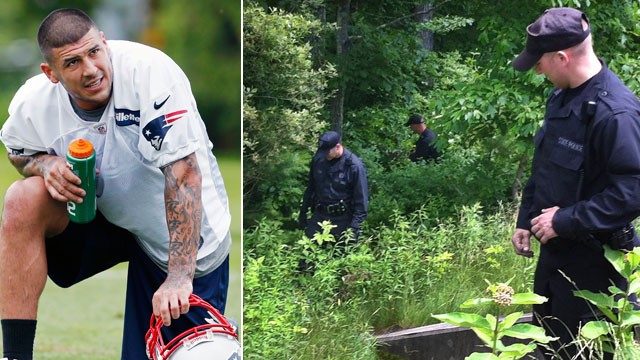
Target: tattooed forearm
(33, 165)
(183, 185)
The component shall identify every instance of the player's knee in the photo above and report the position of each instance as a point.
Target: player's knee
(25, 194)
(28, 199)
(28, 207)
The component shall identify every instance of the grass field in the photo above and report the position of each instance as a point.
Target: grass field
(85, 321)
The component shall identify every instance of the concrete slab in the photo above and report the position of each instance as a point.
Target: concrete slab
(436, 342)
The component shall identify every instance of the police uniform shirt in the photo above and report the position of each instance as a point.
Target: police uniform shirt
(596, 183)
(344, 179)
(424, 149)
(151, 121)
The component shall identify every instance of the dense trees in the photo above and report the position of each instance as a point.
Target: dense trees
(448, 60)
(435, 231)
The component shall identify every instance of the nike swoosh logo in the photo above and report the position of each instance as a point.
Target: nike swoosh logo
(158, 106)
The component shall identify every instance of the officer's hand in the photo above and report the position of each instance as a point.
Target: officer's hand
(172, 298)
(542, 225)
(61, 183)
(521, 240)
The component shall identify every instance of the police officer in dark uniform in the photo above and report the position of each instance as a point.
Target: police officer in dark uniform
(337, 189)
(424, 148)
(584, 190)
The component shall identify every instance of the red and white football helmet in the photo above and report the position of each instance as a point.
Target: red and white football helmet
(215, 340)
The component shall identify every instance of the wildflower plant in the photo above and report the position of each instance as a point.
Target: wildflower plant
(615, 333)
(493, 327)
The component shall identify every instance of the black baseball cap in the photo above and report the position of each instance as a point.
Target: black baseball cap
(414, 119)
(557, 29)
(328, 141)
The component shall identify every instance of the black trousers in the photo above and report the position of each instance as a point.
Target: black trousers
(585, 268)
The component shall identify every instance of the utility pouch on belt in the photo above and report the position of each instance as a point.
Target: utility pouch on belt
(622, 239)
(338, 208)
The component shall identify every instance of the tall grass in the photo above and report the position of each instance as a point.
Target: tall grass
(395, 277)
(85, 321)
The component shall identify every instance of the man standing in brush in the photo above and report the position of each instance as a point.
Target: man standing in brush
(584, 190)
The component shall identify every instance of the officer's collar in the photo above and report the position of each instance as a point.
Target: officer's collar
(575, 105)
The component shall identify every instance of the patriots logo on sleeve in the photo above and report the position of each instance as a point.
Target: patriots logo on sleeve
(157, 129)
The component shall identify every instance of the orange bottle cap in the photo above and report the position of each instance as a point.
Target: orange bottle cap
(80, 149)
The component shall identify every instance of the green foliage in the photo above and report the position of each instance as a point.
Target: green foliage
(284, 95)
(462, 177)
(394, 69)
(491, 329)
(395, 276)
(615, 333)
(205, 41)
(287, 315)
(424, 231)
(384, 141)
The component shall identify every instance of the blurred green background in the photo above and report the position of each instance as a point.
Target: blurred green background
(203, 37)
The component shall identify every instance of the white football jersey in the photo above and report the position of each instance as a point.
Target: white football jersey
(151, 121)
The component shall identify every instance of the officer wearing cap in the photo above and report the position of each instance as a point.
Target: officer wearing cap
(584, 186)
(337, 189)
(423, 149)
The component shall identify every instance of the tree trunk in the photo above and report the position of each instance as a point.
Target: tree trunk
(424, 13)
(517, 183)
(319, 10)
(342, 48)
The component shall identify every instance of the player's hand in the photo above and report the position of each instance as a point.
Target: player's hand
(61, 183)
(172, 298)
(521, 240)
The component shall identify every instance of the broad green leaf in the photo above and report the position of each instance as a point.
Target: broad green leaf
(594, 329)
(609, 314)
(631, 319)
(486, 335)
(528, 299)
(614, 290)
(516, 351)
(598, 299)
(493, 322)
(634, 286)
(464, 320)
(633, 259)
(608, 347)
(509, 320)
(528, 331)
(616, 258)
(471, 303)
(481, 356)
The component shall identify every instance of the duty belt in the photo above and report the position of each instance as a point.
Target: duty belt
(335, 209)
(623, 238)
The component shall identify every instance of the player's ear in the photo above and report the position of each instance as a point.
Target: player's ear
(48, 71)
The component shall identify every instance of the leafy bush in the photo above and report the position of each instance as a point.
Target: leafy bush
(462, 177)
(614, 333)
(491, 329)
(284, 95)
(396, 276)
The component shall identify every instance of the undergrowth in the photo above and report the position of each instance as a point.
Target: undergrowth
(395, 277)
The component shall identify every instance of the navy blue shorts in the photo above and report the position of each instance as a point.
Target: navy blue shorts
(82, 251)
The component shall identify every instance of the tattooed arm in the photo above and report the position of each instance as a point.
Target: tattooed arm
(182, 194)
(62, 184)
